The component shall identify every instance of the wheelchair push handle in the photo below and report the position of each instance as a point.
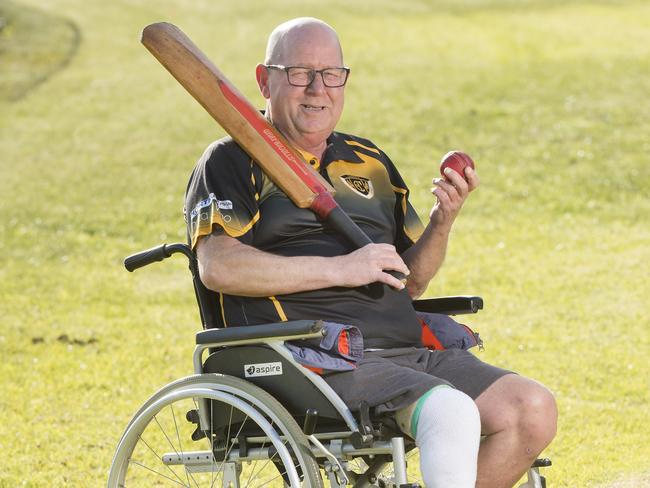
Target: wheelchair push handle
(157, 253)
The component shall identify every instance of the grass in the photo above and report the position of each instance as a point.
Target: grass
(97, 143)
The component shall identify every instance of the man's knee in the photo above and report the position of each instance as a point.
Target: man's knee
(522, 406)
(538, 418)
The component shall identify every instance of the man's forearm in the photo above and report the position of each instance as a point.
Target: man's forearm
(234, 268)
(229, 266)
(425, 258)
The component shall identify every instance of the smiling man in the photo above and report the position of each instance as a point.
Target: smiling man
(270, 261)
(307, 117)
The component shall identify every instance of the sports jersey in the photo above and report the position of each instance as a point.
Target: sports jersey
(229, 194)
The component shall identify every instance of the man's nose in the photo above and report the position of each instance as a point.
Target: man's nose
(317, 85)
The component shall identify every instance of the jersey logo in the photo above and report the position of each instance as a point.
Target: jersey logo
(359, 184)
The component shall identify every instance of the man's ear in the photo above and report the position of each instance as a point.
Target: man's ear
(262, 77)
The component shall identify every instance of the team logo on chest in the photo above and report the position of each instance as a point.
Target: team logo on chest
(359, 184)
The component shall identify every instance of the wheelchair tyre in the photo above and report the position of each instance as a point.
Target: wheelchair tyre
(251, 441)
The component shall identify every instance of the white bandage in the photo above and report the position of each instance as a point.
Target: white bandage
(447, 430)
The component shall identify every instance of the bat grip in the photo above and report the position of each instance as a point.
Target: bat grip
(342, 223)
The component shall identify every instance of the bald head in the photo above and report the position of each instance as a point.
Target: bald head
(298, 32)
(305, 114)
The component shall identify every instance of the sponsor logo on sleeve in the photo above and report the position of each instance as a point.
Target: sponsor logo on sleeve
(208, 202)
(224, 204)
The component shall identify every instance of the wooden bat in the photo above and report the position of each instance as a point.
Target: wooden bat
(246, 125)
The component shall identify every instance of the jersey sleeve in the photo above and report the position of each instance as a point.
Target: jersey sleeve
(221, 196)
(409, 227)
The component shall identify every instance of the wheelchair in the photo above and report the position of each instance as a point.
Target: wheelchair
(252, 416)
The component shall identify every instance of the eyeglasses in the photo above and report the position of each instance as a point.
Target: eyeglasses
(300, 76)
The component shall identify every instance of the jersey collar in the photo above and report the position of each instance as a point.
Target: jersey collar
(337, 150)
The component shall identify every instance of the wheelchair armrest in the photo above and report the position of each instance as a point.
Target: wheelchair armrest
(292, 330)
(449, 305)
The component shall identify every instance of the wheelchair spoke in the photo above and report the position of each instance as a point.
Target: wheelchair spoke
(180, 444)
(212, 437)
(211, 443)
(213, 460)
(171, 444)
(156, 472)
(280, 474)
(178, 435)
(156, 455)
(274, 478)
(263, 465)
(261, 468)
(225, 457)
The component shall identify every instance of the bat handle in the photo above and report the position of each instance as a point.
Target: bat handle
(397, 274)
(342, 223)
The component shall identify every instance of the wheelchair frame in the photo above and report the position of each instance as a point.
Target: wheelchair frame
(278, 439)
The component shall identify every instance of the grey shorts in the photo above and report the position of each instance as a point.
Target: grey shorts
(392, 379)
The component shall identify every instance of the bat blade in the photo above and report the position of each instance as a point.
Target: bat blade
(246, 125)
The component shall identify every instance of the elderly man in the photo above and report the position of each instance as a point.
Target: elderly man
(270, 261)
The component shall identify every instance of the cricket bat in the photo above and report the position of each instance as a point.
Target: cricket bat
(248, 127)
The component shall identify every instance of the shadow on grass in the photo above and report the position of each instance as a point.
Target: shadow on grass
(34, 46)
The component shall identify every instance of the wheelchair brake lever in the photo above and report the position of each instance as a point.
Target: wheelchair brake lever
(364, 436)
(340, 472)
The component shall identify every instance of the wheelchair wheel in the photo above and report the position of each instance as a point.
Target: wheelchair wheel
(216, 431)
(379, 471)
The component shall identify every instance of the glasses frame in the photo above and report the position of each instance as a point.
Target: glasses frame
(312, 75)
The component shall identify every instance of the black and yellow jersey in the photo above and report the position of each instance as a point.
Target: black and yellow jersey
(229, 194)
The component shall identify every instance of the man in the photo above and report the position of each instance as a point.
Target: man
(271, 261)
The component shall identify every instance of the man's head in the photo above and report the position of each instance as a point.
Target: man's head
(306, 115)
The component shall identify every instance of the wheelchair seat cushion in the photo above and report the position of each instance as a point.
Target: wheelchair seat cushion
(392, 379)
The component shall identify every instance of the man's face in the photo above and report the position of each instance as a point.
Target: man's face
(306, 115)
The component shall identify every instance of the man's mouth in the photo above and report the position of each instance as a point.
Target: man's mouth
(312, 108)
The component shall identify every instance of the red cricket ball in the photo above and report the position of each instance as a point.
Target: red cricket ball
(457, 161)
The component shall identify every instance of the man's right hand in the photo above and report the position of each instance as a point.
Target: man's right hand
(370, 265)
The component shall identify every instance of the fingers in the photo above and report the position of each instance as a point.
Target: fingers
(472, 178)
(441, 194)
(464, 184)
(456, 181)
(391, 280)
(372, 263)
(392, 269)
(386, 255)
(452, 192)
(454, 188)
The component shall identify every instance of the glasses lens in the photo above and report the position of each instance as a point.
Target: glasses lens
(300, 76)
(334, 77)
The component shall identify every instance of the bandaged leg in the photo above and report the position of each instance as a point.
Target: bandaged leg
(446, 426)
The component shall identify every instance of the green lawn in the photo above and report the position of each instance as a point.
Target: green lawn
(97, 142)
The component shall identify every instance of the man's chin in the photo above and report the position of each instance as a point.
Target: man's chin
(314, 128)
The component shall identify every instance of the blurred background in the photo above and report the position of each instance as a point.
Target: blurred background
(97, 142)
